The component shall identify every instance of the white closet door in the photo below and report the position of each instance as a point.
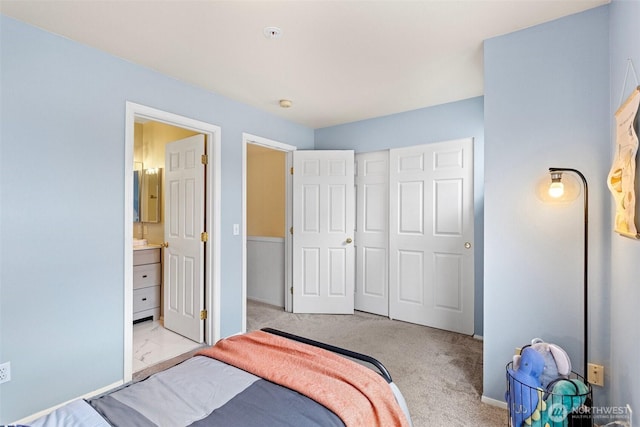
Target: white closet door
(372, 232)
(323, 226)
(431, 235)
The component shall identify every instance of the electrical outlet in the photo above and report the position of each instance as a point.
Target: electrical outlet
(5, 372)
(595, 374)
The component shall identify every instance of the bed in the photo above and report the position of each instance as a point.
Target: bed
(262, 378)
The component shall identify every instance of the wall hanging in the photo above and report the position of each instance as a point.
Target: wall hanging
(621, 178)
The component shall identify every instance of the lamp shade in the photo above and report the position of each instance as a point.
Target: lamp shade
(547, 191)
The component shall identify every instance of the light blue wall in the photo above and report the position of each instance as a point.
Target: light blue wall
(624, 369)
(548, 101)
(546, 104)
(62, 201)
(445, 122)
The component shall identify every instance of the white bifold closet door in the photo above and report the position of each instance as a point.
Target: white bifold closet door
(372, 232)
(430, 235)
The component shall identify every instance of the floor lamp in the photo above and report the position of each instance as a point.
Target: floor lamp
(556, 190)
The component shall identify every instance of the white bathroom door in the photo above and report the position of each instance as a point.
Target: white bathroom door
(372, 232)
(431, 235)
(183, 227)
(323, 226)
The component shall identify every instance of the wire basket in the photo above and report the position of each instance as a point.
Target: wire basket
(566, 402)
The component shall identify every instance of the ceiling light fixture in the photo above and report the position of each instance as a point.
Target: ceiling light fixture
(285, 103)
(272, 32)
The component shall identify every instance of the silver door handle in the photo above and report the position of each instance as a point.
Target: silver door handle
(467, 245)
(349, 240)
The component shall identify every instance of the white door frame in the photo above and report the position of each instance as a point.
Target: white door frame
(213, 210)
(247, 138)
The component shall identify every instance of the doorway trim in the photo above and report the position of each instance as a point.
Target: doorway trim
(212, 221)
(248, 138)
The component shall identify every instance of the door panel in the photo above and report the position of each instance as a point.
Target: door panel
(411, 277)
(411, 208)
(447, 281)
(311, 272)
(323, 222)
(183, 258)
(372, 228)
(431, 270)
(337, 272)
(448, 212)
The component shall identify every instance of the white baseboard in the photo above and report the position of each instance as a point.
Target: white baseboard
(31, 418)
(265, 301)
(494, 402)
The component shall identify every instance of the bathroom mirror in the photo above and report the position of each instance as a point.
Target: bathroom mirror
(150, 195)
(137, 181)
(136, 195)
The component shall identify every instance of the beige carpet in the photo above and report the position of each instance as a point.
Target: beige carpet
(438, 372)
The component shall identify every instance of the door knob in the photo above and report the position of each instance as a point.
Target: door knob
(349, 240)
(467, 245)
(165, 245)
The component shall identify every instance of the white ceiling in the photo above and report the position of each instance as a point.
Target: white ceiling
(338, 61)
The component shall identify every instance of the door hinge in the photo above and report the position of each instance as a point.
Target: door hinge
(291, 170)
(204, 236)
(291, 230)
(204, 159)
(292, 290)
(203, 314)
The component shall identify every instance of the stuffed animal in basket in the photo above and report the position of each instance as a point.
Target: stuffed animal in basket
(563, 397)
(524, 385)
(556, 361)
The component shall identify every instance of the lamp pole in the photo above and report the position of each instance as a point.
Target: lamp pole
(586, 257)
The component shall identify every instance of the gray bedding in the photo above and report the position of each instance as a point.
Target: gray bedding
(205, 392)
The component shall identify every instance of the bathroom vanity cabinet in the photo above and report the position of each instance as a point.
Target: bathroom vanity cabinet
(147, 280)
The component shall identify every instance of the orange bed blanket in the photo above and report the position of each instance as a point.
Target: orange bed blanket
(357, 394)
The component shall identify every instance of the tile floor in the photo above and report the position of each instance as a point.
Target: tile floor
(152, 344)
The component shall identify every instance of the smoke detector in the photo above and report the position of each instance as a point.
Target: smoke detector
(272, 32)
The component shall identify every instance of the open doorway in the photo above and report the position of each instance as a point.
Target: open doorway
(266, 206)
(154, 130)
(266, 222)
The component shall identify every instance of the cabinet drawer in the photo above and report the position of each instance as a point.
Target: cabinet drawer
(146, 256)
(153, 313)
(146, 275)
(146, 298)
